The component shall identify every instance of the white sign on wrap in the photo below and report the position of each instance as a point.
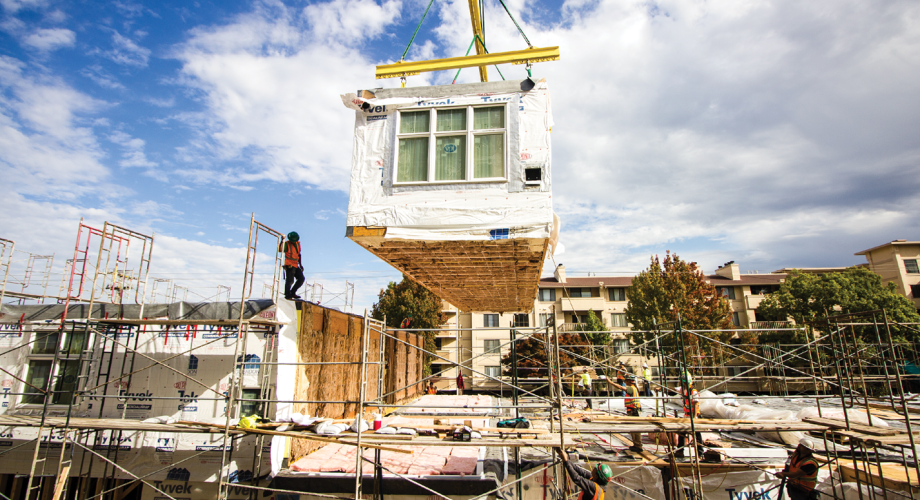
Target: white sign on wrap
(753, 485)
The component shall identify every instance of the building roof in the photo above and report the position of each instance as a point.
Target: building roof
(818, 270)
(892, 243)
(620, 281)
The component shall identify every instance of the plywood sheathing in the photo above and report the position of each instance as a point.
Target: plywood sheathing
(327, 335)
(499, 275)
(404, 367)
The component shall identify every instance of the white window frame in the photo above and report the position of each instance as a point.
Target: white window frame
(551, 292)
(915, 265)
(489, 371)
(432, 134)
(485, 320)
(618, 315)
(497, 349)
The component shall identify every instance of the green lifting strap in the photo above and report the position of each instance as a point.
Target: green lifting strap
(403, 58)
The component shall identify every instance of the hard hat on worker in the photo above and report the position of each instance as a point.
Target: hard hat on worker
(293, 236)
(603, 473)
(807, 444)
(630, 377)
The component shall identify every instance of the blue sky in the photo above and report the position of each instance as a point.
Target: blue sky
(773, 133)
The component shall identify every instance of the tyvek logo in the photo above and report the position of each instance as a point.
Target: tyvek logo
(189, 401)
(761, 494)
(166, 444)
(450, 148)
(10, 330)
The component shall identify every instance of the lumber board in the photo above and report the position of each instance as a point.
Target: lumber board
(865, 429)
(300, 435)
(893, 476)
(766, 425)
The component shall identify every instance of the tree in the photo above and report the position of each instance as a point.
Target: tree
(531, 354)
(675, 287)
(407, 298)
(807, 297)
(596, 334)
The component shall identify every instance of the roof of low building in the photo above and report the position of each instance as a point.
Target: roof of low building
(620, 281)
(892, 243)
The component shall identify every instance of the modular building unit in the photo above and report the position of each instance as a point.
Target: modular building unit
(452, 186)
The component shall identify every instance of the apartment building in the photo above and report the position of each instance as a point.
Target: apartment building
(479, 339)
(897, 262)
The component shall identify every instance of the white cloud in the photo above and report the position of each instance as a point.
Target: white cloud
(102, 77)
(48, 39)
(125, 51)
(350, 22)
(13, 6)
(268, 115)
(161, 102)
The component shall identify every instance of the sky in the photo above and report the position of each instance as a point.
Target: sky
(772, 133)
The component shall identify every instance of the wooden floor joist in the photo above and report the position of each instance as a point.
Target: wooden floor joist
(496, 275)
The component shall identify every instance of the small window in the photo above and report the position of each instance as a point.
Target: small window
(492, 346)
(915, 291)
(490, 320)
(726, 291)
(579, 292)
(763, 289)
(547, 295)
(249, 408)
(546, 319)
(582, 318)
(736, 320)
(492, 371)
(616, 294)
(617, 319)
(521, 320)
(465, 143)
(620, 346)
(910, 265)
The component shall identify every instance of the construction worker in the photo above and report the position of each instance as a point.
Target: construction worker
(691, 401)
(633, 407)
(432, 389)
(801, 474)
(293, 269)
(647, 376)
(406, 322)
(621, 379)
(590, 483)
(587, 388)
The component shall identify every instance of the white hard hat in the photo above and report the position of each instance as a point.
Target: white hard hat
(807, 443)
(644, 365)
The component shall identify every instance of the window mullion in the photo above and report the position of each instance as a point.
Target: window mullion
(432, 154)
(470, 125)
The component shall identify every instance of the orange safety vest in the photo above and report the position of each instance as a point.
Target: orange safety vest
(688, 400)
(292, 254)
(807, 482)
(598, 493)
(632, 398)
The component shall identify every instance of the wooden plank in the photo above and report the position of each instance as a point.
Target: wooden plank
(894, 477)
(865, 429)
(60, 482)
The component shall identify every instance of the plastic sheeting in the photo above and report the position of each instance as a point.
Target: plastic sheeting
(456, 210)
(715, 408)
(629, 483)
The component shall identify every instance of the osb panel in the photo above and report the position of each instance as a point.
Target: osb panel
(327, 335)
(499, 275)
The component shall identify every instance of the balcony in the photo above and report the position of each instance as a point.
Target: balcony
(753, 301)
(577, 304)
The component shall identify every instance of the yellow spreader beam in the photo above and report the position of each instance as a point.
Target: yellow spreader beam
(408, 68)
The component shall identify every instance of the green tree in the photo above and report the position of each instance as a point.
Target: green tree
(675, 287)
(531, 354)
(407, 298)
(806, 297)
(596, 334)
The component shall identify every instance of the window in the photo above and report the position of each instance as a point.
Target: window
(583, 318)
(617, 319)
(579, 292)
(910, 265)
(620, 346)
(492, 346)
(521, 320)
(547, 295)
(726, 291)
(915, 291)
(249, 408)
(493, 371)
(736, 320)
(616, 294)
(464, 144)
(546, 319)
(41, 366)
(763, 289)
(489, 320)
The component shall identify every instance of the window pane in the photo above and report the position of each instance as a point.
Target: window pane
(910, 265)
(451, 119)
(493, 346)
(493, 371)
(413, 123)
(66, 382)
(46, 344)
(413, 160)
(75, 341)
(617, 319)
(521, 320)
(735, 320)
(486, 118)
(489, 156)
(450, 158)
(249, 408)
(546, 319)
(490, 320)
(38, 374)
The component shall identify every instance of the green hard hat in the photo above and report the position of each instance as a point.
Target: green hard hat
(604, 473)
(293, 236)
